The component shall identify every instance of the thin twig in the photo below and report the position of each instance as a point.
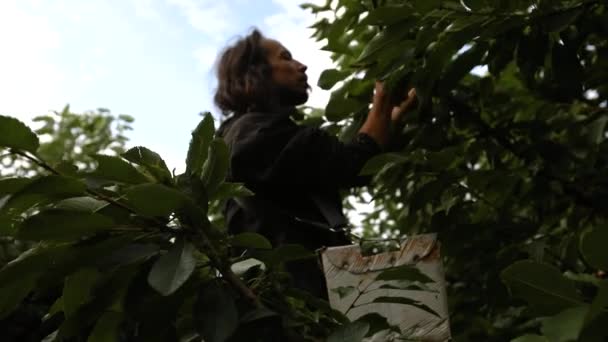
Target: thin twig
(156, 222)
(40, 163)
(215, 260)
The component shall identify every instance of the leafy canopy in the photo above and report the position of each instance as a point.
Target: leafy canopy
(505, 156)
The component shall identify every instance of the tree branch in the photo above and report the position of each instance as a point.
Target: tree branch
(154, 221)
(40, 163)
(204, 244)
(504, 142)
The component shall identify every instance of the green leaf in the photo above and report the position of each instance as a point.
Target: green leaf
(566, 325)
(380, 161)
(428, 193)
(15, 134)
(315, 8)
(57, 307)
(256, 314)
(426, 35)
(387, 15)
(425, 6)
(317, 303)
(14, 291)
(542, 286)
(118, 170)
(241, 267)
(59, 224)
(351, 332)
(78, 288)
(31, 261)
(12, 185)
(343, 291)
(230, 190)
(42, 190)
(66, 168)
(409, 286)
(8, 225)
(199, 145)
(461, 66)
(215, 313)
(155, 199)
(531, 50)
(215, 167)
(131, 253)
(195, 189)
(500, 55)
(340, 107)
(599, 305)
(530, 338)
(63, 259)
(330, 77)
(405, 301)
(476, 5)
(251, 240)
(173, 269)
(583, 278)
(55, 185)
(376, 323)
(446, 158)
(449, 43)
(593, 247)
(567, 69)
(388, 37)
(107, 328)
(84, 203)
(150, 161)
(349, 132)
(405, 272)
(560, 20)
(126, 118)
(596, 130)
(284, 253)
(111, 290)
(596, 330)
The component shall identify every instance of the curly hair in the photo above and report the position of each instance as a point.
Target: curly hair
(244, 76)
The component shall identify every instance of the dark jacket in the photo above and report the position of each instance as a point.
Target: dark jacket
(296, 173)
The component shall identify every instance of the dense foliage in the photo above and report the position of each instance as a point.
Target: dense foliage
(505, 165)
(66, 136)
(125, 251)
(73, 137)
(508, 164)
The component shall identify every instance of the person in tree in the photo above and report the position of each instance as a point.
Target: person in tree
(295, 171)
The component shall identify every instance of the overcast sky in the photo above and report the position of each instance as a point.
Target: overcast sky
(151, 59)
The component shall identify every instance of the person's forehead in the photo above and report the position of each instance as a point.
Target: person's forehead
(273, 46)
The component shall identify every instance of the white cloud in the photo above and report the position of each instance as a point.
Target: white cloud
(213, 19)
(30, 83)
(207, 16)
(146, 9)
(206, 56)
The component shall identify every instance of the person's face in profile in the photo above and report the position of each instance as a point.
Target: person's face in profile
(288, 75)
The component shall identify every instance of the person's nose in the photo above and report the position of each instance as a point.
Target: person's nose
(302, 67)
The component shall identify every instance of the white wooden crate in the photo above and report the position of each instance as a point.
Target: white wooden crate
(353, 287)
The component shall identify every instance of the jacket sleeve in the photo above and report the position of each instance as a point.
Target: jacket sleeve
(281, 152)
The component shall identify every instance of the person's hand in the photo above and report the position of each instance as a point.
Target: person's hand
(405, 106)
(384, 114)
(381, 103)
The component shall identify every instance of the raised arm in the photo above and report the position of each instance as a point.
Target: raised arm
(384, 114)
